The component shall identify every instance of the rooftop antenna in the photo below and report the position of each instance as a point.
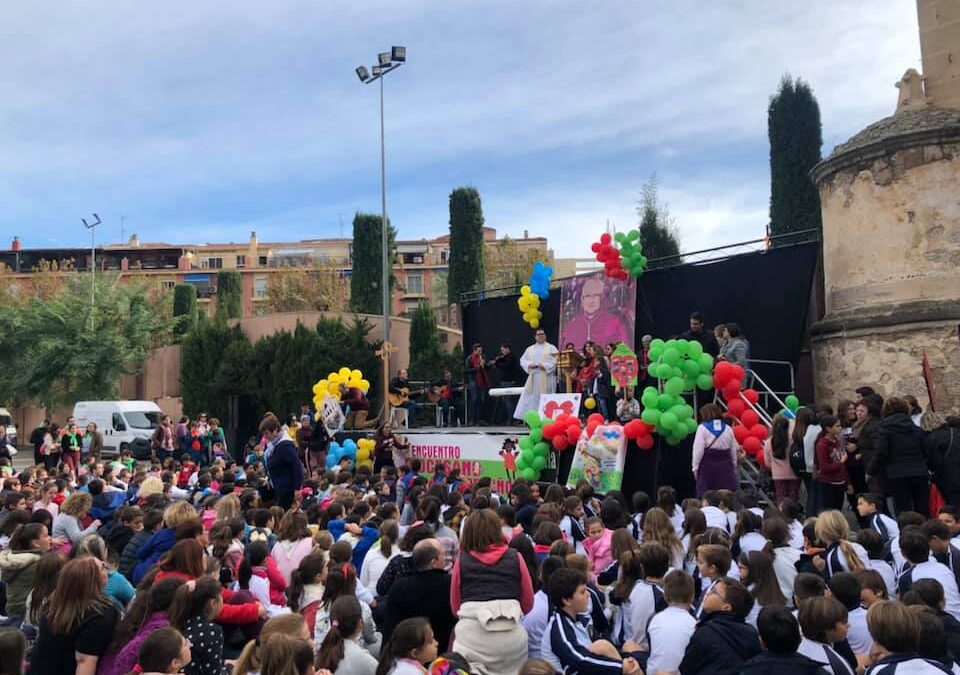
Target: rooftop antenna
(340, 216)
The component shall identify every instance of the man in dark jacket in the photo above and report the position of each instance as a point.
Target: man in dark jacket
(723, 641)
(900, 452)
(36, 440)
(943, 449)
(706, 338)
(424, 593)
(780, 637)
(867, 439)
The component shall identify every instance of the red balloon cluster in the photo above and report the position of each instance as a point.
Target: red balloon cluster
(610, 257)
(562, 432)
(751, 432)
(639, 431)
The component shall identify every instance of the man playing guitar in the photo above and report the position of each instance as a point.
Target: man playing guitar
(399, 391)
(444, 392)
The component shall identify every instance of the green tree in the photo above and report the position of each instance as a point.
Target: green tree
(229, 294)
(59, 349)
(659, 235)
(466, 243)
(424, 344)
(184, 309)
(794, 130)
(366, 289)
(208, 365)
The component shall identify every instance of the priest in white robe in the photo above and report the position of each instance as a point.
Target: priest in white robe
(539, 361)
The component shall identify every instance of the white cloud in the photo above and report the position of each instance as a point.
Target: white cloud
(206, 120)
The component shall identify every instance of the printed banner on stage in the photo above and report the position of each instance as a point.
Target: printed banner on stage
(593, 307)
(554, 405)
(476, 455)
(600, 459)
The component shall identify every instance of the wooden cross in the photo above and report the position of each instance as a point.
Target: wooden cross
(384, 353)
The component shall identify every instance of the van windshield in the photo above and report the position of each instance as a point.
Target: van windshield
(143, 420)
(6, 420)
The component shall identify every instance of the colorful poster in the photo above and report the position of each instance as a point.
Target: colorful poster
(597, 309)
(554, 405)
(476, 455)
(599, 459)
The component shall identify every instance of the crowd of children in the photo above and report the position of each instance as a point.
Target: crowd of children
(188, 565)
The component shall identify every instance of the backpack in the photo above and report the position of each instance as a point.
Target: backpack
(798, 458)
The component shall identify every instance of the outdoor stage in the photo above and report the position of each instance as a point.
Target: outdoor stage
(482, 451)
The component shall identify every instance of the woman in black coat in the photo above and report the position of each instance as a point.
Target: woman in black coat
(900, 451)
(867, 432)
(943, 448)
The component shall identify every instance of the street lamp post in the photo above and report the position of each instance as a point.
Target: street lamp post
(93, 261)
(386, 62)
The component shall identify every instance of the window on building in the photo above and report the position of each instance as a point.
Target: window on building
(259, 287)
(241, 261)
(214, 263)
(415, 284)
(444, 254)
(412, 258)
(263, 261)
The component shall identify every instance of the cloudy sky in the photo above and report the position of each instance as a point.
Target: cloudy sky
(201, 121)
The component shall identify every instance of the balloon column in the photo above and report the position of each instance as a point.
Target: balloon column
(540, 280)
(680, 365)
(637, 430)
(562, 432)
(336, 452)
(534, 450)
(365, 448)
(631, 255)
(330, 386)
(610, 257)
(529, 304)
(751, 432)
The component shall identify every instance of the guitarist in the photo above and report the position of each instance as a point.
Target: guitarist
(400, 386)
(478, 383)
(446, 391)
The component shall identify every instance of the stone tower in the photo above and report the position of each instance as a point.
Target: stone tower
(890, 198)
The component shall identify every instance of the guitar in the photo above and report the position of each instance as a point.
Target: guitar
(434, 394)
(397, 400)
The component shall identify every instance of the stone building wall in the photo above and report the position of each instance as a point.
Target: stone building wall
(890, 360)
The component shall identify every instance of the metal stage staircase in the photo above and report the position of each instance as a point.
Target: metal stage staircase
(751, 477)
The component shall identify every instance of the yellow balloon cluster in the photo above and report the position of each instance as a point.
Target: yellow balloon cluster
(331, 385)
(365, 448)
(529, 304)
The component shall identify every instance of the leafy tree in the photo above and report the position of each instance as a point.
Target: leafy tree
(793, 126)
(466, 243)
(204, 351)
(424, 344)
(659, 235)
(58, 349)
(229, 294)
(184, 309)
(366, 290)
(508, 264)
(453, 361)
(319, 288)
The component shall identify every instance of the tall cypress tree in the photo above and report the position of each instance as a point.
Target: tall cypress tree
(659, 236)
(229, 294)
(424, 344)
(184, 310)
(366, 289)
(466, 243)
(793, 126)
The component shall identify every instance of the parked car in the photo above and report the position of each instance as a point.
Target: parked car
(6, 420)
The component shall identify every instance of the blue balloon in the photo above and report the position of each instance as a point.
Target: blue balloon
(350, 448)
(331, 460)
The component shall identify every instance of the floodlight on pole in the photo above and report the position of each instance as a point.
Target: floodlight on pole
(386, 62)
(93, 261)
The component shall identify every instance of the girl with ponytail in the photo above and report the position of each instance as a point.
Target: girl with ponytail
(340, 651)
(251, 658)
(194, 607)
(165, 651)
(305, 592)
(841, 555)
(411, 645)
(379, 555)
(147, 615)
(342, 581)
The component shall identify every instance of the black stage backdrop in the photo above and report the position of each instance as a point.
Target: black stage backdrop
(766, 293)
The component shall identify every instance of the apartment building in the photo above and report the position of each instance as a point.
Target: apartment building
(420, 266)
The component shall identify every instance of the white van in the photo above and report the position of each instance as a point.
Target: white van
(6, 420)
(120, 422)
